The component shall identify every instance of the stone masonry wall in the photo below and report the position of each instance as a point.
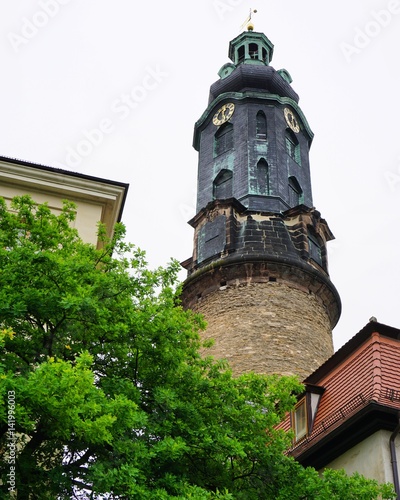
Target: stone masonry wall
(270, 327)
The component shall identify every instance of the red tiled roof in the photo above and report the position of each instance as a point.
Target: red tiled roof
(364, 372)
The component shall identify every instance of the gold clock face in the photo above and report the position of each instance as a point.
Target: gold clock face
(224, 113)
(291, 120)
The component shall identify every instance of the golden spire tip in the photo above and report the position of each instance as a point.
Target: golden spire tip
(248, 23)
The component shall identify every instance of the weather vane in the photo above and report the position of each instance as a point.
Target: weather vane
(248, 23)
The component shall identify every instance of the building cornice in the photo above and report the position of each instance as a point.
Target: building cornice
(75, 187)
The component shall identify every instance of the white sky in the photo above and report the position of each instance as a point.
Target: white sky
(68, 77)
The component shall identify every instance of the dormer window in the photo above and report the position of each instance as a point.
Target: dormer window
(303, 415)
(300, 421)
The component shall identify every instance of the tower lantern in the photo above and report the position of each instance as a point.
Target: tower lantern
(251, 48)
(259, 270)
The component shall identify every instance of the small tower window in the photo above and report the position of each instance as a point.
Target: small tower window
(262, 177)
(295, 192)
(223, 185)
(241, 54)
(314, 249)
(292, 146)
(223, 139)
(261, 125)
(253, 51)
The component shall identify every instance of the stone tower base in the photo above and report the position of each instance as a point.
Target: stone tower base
(267, 328)
(265, 322)
(261, 281)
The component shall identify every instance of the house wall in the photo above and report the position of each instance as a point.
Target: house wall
(87, 217)
(97, 200)
(371, 458)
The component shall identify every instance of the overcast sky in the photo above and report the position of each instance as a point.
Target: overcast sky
(113, 89)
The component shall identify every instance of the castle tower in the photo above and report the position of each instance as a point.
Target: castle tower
(259, 271)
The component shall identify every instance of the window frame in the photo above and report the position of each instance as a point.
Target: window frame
(300, 434)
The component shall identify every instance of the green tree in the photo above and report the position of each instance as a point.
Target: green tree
(100, 367)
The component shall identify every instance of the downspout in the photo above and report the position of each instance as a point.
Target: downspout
(393, 457)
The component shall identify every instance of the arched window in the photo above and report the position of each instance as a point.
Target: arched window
(253, 51)
(241, 54)
(223, 185)
(264, 55)
(292, 146)
(295, 192)
(262, 177)
(223, 139)
(261, 124)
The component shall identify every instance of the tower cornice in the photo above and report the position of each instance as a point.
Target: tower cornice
(230, 271)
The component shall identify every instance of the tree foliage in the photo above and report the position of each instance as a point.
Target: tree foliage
(112, 399)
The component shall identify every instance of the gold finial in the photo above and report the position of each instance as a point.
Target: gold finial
(249, 25)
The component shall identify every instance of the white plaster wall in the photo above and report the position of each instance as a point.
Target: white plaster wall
(96, 199)
(371, 458)
(88, 213)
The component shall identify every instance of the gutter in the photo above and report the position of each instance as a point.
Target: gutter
(393, 457)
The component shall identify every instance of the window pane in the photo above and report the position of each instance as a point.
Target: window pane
(300, 421)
